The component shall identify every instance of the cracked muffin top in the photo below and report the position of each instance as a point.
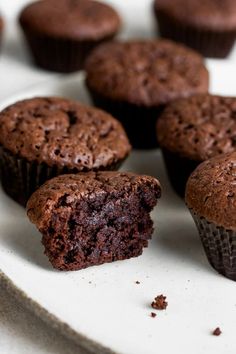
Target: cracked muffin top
(73, 19)
(199, 127)
(146, 73)
(211, 190)
(207, 14)
(65, 190)
(61, 132)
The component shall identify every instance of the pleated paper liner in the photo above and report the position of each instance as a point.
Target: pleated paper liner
(210, 43)
(220, 246)
(58, 54)
(20, 178)
(139, 121)
(179, 169)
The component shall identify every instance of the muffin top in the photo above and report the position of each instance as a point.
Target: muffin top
(199, 127)
(211, 190)
(208, 14)
(62, 132)
(73, 19)
(146, 73)
(66, 189)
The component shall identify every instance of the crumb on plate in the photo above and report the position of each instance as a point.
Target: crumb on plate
(159, 303)
(217, 331)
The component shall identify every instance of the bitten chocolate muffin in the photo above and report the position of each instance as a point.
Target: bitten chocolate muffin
(192, 130)
(208, 26)
(43, 137)
(135, 80)
(211, 198)
(60, 34)
(93, 218)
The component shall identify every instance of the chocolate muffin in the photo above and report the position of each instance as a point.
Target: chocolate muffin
(93, 218)
(135, 80)
(211, 198)
(60, 34)
(193, 130)
(44, 137)
(208, 26)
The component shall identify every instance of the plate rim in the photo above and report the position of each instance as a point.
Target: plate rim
(20, 295)
(56, 323)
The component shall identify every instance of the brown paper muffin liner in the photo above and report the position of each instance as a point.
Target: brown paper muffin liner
(139, 122)
(20, 178)
(58, 54)
(220, 246)
(215, 44)
(179, 169)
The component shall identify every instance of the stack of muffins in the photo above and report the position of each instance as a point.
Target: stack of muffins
(158, 91)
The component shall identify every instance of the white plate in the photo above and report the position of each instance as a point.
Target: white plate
(104, 303)
(103, 306)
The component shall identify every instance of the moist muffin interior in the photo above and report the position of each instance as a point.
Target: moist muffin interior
(111, 222)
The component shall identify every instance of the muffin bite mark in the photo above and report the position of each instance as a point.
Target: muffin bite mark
(99, 217)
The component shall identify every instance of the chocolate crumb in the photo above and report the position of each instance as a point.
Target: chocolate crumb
(160, 303)
(137, 282)
(153, 314)
(217, 332)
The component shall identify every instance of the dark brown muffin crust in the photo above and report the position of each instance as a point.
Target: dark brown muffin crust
(62, 132)
(199, 127)
(205, 14)
(93, 218)
(146, 73)
(71, 19)
(211, 191)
